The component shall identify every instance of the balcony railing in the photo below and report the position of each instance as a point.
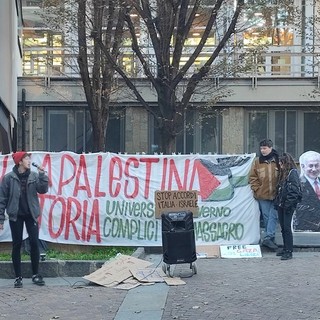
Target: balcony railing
(62, 62)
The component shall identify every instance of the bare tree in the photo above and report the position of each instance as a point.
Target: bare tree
(93, 22)
(168, 23)
(106, 22)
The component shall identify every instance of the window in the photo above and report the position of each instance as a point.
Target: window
(66, 130)
(293, 131)
(31, 3)
(311, 138)
(70, 130)
(115, 132)
(201, 133)
(58, 131)
(281, 65)
(37, 57)
(269, 23)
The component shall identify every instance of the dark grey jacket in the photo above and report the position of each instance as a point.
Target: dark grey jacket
(10, 194)
(289, 192)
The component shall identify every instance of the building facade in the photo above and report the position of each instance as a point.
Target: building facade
(277, 97)
(11, 56)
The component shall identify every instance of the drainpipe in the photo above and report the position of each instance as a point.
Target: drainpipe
(23, 120)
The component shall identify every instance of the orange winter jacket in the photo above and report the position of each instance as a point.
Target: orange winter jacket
(264, 179)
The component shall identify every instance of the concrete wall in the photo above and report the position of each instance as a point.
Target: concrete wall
(277, 92)
(9, 55)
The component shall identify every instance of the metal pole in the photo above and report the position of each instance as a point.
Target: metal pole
(23, 120)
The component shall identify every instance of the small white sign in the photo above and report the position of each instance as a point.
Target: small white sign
(241, 251)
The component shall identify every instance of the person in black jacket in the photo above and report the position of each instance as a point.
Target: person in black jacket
(288, 196)
(19, 199)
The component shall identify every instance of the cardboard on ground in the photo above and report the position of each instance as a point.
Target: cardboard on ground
(208, 251)
(128, 284)
(175, 201)
(173, 281)
(241, 251)
(116, 270)
(148, 274)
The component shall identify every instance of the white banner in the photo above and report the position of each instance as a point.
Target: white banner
(108, 199)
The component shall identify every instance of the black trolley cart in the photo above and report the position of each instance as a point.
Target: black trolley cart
(178, 240)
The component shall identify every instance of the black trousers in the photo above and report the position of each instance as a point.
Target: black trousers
(285, 218)
(17, 238)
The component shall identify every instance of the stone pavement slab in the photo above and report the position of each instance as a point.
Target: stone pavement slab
(63, 299)
(248, 289)
(144, 303)
(235, 289)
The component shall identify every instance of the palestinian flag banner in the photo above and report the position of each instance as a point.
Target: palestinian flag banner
(109, 199)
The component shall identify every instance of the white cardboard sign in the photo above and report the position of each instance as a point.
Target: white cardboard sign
(241, 251)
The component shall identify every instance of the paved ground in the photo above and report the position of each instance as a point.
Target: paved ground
(263, 289)
(257, 288)
(59, 299)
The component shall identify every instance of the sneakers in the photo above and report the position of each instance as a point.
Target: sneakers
(286, 255)
(18, 283)
(270, 244)
(38, 280)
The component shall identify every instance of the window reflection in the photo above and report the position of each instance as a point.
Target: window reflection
(258, 129)
(266, 23)
(283, 126)
(311, 131)
(201, 133)
(38, 55)
(269, 23)
(281, 65)
(70, 129)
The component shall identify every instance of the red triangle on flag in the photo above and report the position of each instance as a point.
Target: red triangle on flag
(207, 181)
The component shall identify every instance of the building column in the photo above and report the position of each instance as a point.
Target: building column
(233, 130)
(136, 130)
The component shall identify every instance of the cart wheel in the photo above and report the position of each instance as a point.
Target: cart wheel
(169, 271)
(194, 268)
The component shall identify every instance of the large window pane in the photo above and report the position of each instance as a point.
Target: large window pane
(209, 133)
(71, 130)
(291, 130)
(79, 134)
(285, 131)
(258, 129)
(279, 140)
(311, 131)
(291, 125)
(114, 138)
(58, 131)
(271, 23)
(201, 133)
(281, 65)
(189, 133)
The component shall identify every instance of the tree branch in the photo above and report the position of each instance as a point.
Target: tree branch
(146, 15)
(136, 49)
(194, 80)
(201, 44)
(182, 31)
(128, 82)
(83, 55)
